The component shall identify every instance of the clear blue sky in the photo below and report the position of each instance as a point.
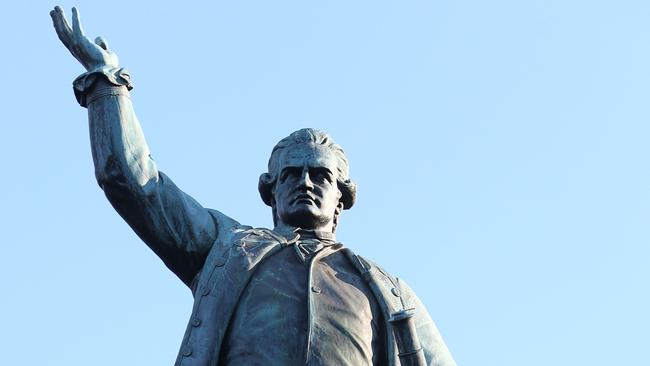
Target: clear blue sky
(500, 147)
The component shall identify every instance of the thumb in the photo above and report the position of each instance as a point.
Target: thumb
(101, 42)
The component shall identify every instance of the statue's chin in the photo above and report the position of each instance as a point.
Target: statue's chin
(306, 216)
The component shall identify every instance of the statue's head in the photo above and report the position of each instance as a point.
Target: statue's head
(307, 183)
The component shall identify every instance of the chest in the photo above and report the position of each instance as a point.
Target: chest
(298, 312)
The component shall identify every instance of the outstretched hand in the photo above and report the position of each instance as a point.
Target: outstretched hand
(91, 55)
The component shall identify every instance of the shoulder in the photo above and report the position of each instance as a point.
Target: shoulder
(228, 229)
(222, 221)
(231, 232)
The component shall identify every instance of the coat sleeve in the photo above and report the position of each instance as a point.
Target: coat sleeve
(435, 349)
(175, 226)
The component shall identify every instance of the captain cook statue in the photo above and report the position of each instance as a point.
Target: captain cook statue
(288, 296)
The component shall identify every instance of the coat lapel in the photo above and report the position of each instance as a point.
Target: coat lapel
(227, 270)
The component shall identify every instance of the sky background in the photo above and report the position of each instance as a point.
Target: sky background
(500, 148)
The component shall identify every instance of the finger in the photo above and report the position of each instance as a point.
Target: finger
(56, 21)
(64, 20)
(61, 25)
(101, 42)
(76, 24)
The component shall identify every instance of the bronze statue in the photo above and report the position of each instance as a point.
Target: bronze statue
(288, 296)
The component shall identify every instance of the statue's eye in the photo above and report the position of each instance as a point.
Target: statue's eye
(289, 173)
(321, 175)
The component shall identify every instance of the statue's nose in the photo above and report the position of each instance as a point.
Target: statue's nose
(305, 180)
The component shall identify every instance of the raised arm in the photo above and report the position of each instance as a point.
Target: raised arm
(175, 226)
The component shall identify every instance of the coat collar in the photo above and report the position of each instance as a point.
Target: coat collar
(292, 234)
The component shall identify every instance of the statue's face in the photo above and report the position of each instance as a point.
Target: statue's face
(306, 191)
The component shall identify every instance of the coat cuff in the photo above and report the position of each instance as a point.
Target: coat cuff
(83, 84)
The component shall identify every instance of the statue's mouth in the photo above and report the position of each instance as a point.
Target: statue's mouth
(305, 198)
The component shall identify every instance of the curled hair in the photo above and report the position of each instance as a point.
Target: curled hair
(308, 136)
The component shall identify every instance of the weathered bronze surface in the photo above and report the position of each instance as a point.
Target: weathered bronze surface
(288, 296)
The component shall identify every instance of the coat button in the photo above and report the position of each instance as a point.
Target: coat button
(219, 262)
(395, 291)
(196, 321)
(187, 351)
(205, 290)
(316, 289)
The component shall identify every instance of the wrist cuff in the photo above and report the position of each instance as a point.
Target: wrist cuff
(83, 85)
(104, 92)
